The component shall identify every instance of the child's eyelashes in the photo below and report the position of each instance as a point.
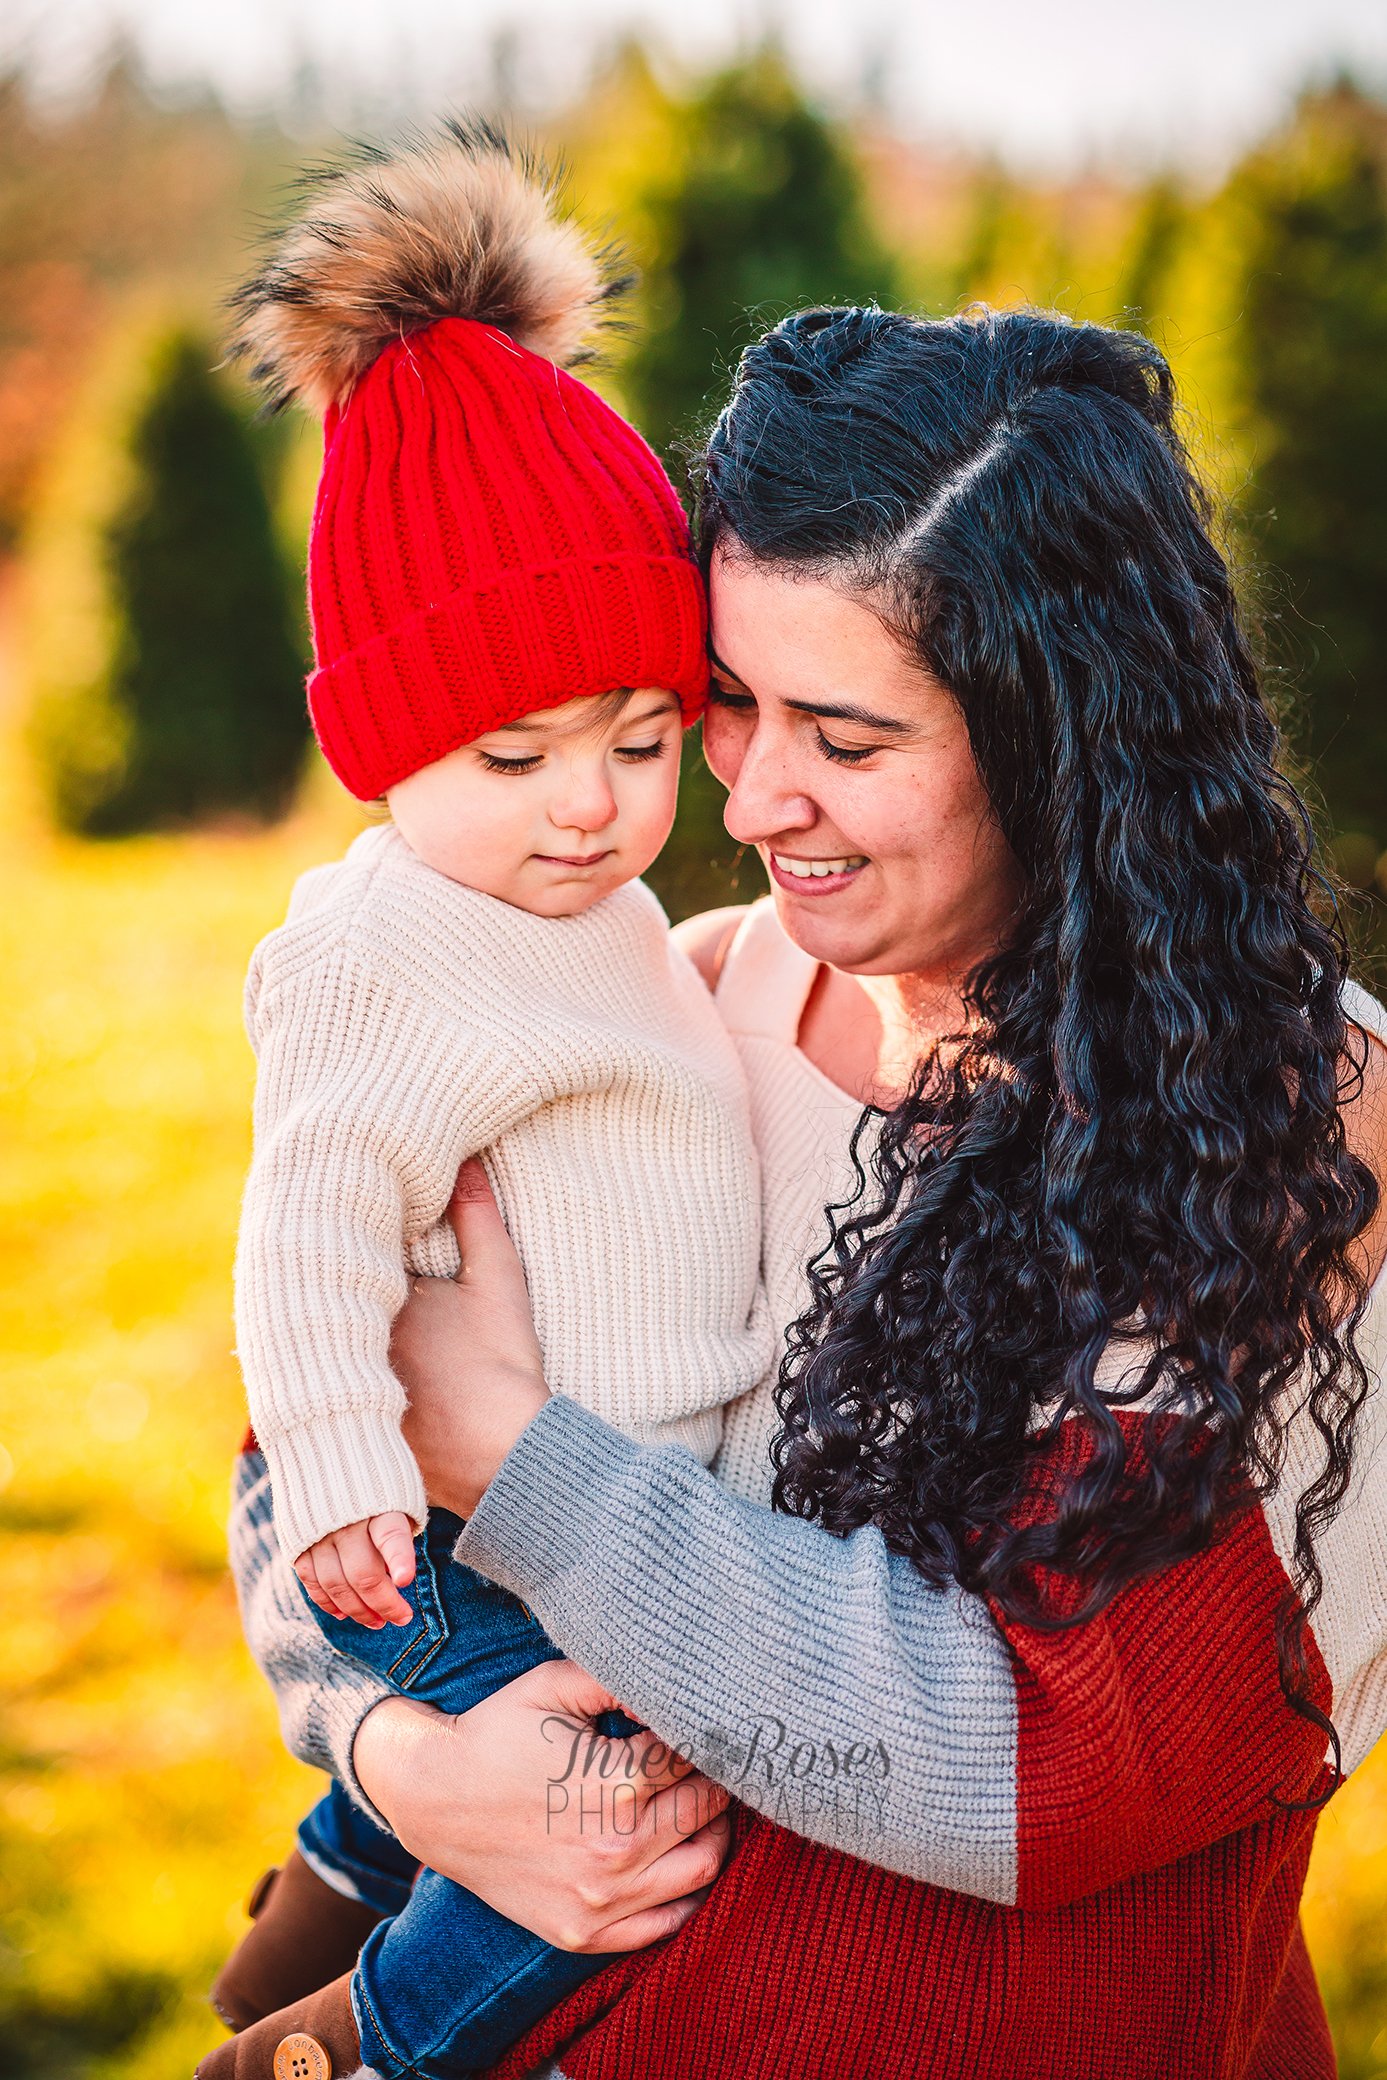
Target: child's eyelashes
(632, 754)
(494, 764)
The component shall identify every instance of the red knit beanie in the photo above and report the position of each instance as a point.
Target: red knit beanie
(490, 538)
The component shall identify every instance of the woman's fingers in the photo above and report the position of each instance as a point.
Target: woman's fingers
(656, 1901)
(637, 1931)
(628, 1772)
(483, 1243)
(562, 1687)
(592, 1843)
(473, 1187)
(649, 1793)
(466, 1354)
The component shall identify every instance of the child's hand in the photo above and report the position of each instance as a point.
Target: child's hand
(358, 1572)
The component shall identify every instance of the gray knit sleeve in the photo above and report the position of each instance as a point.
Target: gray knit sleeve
(820, 1678)
(322, 1694)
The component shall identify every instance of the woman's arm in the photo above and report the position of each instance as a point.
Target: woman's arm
(746, 1638)
(818, 1678)
(1024, 1767)
(824, 1681)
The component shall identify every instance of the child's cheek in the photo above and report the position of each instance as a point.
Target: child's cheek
(657, 802)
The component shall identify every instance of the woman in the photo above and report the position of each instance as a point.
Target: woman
(1069, 1615)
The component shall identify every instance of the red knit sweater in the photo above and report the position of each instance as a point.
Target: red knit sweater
(1156, 1932)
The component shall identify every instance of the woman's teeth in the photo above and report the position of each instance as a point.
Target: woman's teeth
(817, 869)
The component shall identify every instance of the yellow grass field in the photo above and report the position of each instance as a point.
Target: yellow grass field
(141, 1781)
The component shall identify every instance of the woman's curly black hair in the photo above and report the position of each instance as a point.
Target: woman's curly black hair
(1143, 1115)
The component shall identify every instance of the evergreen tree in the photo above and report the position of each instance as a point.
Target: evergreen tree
(190, 705)
(1314, 345)
(757, 211)
(994, 208)
(761, 212)
(1158, 226)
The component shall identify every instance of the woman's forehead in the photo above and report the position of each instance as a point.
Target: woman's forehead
(794, 636)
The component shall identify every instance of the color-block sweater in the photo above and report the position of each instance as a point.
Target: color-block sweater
(965, 1849)
(403, 1023)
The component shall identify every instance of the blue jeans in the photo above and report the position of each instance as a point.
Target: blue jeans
(446, 1985)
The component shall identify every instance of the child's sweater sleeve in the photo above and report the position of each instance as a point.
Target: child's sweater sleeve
(367, 1101)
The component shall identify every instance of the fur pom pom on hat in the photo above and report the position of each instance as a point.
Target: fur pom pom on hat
(458, 227)
(489, 538)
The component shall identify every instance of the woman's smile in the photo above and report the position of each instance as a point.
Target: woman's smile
(812, 877)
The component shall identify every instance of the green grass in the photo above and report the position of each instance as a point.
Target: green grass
(142, 1785)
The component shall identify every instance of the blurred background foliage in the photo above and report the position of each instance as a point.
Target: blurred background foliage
(175, 694)
(152, 643)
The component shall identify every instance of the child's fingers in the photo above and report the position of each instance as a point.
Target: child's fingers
(313, 1589)
(394, 1541)
(332, 1560)
(368, 1577)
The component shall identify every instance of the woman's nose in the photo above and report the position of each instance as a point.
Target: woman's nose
(764, 798)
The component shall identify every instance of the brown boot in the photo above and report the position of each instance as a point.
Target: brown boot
(302, 1935)
(315, 2039)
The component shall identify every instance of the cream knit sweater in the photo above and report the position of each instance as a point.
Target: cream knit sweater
(404, 1022)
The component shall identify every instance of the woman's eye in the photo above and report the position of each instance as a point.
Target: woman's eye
(510, 765)
(842, 755)
(636, 754)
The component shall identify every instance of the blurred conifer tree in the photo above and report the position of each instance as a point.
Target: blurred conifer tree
(1314, 352)
(1161, 221)
(757, 209)
(187, 701)
(993, 230)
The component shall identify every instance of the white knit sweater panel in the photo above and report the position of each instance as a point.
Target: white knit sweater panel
(404, 1022)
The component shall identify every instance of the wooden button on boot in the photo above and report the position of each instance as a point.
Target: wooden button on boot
(313, 2039)
(301, 2057)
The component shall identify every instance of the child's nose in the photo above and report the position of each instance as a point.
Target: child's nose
(586, 803)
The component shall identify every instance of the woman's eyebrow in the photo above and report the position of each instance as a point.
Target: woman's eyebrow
(848, 711)
(834, 711)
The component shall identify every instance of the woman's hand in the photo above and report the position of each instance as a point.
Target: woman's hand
(592, 1844)
(466, 1353)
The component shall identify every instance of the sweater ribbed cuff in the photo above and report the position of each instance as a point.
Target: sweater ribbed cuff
(322, 1694)
(338, 1470)
(549, 1499)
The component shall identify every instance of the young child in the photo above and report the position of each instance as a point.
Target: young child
(509, 636)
